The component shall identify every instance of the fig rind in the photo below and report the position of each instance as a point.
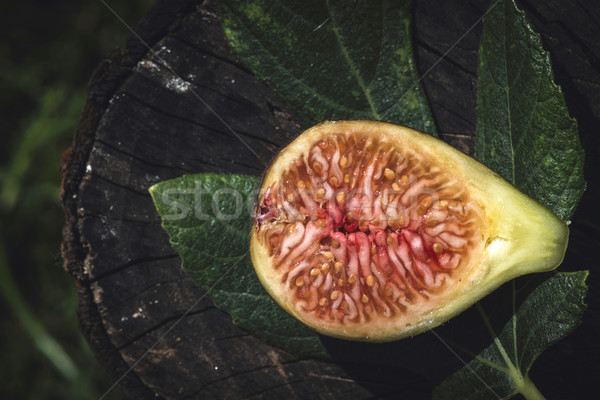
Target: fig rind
(518, 235)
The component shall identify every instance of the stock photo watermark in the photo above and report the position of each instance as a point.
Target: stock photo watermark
(393, 207)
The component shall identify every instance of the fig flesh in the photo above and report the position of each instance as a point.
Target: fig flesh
(371, 231)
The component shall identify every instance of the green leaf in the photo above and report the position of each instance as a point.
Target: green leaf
(332, 59)
(207, 217)
(524, 131)
(550, 312)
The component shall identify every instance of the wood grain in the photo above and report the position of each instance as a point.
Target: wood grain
(187, 106)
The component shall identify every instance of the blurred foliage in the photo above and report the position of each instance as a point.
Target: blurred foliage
(48, 52)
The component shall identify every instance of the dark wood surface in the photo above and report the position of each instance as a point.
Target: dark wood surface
(149, 117)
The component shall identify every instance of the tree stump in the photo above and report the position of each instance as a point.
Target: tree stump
(145, 319)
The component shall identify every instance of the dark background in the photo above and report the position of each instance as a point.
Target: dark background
(48, 52)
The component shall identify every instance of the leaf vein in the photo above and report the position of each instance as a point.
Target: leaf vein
(313, 92)
(353, 68)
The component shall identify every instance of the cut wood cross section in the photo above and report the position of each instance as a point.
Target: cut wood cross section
(146, 120)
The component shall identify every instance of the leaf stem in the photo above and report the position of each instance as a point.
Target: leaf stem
(523, 384)
(527, 388)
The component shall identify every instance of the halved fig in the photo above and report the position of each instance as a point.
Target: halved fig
(371, 231)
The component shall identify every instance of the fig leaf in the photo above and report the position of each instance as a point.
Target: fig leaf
(524, 130)
(207, 217)
(525, 133)
(550, 312)
(328, 60)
